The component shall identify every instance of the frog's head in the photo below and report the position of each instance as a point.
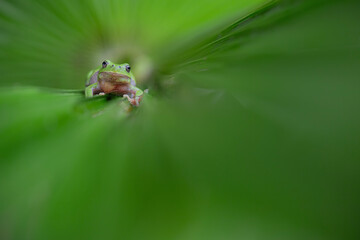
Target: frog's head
(116, 74)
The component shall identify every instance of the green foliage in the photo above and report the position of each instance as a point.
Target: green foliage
(250, 131)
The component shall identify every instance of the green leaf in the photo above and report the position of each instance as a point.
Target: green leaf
(250, 129)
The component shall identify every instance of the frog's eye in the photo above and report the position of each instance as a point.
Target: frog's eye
(104, 64)
(128, 68)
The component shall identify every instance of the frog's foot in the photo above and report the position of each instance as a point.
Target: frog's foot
(92, 90)
(134, 101)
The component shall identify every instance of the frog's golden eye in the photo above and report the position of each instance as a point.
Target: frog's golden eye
(128, 68)
(104, 64)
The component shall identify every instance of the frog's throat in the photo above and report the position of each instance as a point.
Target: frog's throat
(114, 77)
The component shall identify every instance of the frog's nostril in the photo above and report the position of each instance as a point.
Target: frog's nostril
(112, 65)
(119, 67)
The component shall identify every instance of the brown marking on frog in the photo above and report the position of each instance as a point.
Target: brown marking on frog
(114, 83)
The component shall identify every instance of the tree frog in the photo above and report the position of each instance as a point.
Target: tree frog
(113, 78)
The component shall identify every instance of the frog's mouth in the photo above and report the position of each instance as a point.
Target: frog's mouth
(116, 78)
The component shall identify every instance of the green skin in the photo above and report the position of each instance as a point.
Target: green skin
(115, 79)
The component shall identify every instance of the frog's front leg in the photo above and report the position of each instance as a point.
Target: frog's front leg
(136, 96)
(92, 89)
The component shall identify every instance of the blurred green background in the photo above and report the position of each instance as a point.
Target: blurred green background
(250, 129)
